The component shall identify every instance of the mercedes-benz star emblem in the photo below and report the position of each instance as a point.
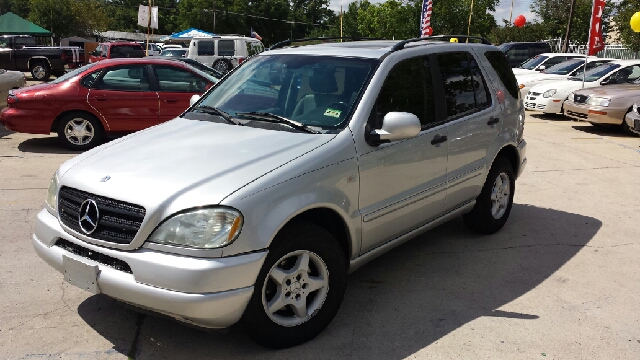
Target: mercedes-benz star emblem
(89, 216)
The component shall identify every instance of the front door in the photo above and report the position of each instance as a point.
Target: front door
(177, 85)
(403, 183)
(474, 120)
(124, 97)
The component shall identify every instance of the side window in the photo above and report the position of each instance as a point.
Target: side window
(554, 60)
(173, 79)
(626, 74)
(124, 78)
(501, 66)
(226, 48)
(407, 88)
(88, 80)
(465, 90)
(206, 48)
(103, 52)
(519, 53)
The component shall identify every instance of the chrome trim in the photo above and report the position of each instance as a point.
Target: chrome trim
(479, 168)
(377, 251)
(402, 203)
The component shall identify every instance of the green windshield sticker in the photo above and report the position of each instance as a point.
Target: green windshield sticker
(333, 113)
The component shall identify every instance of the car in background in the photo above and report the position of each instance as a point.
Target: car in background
(174, 52)
(10, 80)
(549, 97)
(223, 53)
(519, 52)
(170, 46)
(564, 70)
(633, 119)
(151, 49)
(202, 67)
(605, 105)
(116, 50)
(116, 96)
(544, 61)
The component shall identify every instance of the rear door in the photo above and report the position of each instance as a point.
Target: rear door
(126, 98)
(176, 86)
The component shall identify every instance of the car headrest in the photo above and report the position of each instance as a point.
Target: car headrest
(323, 82)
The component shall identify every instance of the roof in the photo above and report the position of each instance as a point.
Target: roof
(119, 43)
(373, 49)
(12, 24)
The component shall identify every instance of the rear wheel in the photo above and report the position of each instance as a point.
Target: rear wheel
(222, 65)
(493, 205)
(40, 71)
(80, 131)
(299, 289)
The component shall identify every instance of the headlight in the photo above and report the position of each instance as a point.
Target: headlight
(549, 93)
(598, 101)
(204, 228)
(52, 195)
(635, 108)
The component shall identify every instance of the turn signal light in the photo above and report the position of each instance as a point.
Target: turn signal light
(12, 99)
(594, 112)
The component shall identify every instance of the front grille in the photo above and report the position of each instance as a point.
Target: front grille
(580, 99)
(97, 257)
(118, 222)
(534, 106)
(577, 114)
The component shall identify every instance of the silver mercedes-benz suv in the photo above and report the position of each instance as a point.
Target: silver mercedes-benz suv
(296, 169)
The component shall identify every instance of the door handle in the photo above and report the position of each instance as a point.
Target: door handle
(171, 101)
(493, 121)
(438, 139)
(100, 98)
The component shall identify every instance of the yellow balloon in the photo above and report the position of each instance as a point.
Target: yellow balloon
(453, 40)
(635, 22)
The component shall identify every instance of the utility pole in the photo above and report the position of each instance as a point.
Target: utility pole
(565, 46)
(511, 13)
(214, 16)
(469, 26)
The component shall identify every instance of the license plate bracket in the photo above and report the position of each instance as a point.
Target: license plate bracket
(84, 276)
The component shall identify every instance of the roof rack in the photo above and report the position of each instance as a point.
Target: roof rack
(401, 44)
(287, 42)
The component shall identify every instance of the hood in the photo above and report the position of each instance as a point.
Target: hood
(613, 91)
(563, 87)
(529, 78)
(518, 71)
(184, 163)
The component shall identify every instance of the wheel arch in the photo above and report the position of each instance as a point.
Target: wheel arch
(36, 59)
(56, 121)
(510, 152)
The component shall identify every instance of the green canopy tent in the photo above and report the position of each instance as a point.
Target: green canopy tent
(12, 24)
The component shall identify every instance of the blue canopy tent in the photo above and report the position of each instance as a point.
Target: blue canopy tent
(187, 35)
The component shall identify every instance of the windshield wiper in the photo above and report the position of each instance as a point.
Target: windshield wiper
(269, 117)
(215, 111)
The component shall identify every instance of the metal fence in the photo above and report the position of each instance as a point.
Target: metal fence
(614, 51)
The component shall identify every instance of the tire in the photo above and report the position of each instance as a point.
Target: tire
(40, 71)
(327, 270)
(222, 65)
(80, 131)
(488, 216)
(625, 127)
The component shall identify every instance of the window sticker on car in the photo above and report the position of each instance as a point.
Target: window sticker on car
(333, 113)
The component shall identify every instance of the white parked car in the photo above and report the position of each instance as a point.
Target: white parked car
(564, 70)
(550, 96)
(544, 61)
(223, 53)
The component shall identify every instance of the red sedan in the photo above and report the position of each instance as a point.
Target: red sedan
(113, 97)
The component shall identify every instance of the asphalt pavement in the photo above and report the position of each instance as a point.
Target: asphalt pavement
(560, 281)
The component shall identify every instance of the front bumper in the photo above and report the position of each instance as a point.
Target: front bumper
(535, 101)
(633, 120)
(599, 114)
(208, 292)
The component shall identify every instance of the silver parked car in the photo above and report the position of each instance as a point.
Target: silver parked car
(10, 80)
(299, 167)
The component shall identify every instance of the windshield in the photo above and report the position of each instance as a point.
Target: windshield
(564, 67)
(72, 74)
(534, 62)
(317, 91)
(596, 73)
(173, 52)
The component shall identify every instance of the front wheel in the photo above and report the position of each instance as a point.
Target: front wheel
(79, 131)
(299, 289)
(222, 66)
(625, 127)
(494, 203)
(40, 71)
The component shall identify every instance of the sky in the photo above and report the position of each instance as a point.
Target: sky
(520, 7)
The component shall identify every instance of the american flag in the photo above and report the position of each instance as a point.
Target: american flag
(425, 20)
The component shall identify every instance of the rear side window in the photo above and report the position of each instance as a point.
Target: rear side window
(226, 48)
(124, 78)
(206, 48)
(465, 90)
(126, 51)
(173, 79)
(500, 64)
(407, 88)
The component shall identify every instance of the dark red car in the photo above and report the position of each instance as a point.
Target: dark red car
(114, 97)
(116, 50)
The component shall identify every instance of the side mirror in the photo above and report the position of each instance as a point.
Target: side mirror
(194, 99)
(607, 81)
(396, 126)
(541, 67)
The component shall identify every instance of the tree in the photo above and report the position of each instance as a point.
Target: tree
(69, 17)
(624, 11)
(510, 33)
(18, 7)
(554, 15)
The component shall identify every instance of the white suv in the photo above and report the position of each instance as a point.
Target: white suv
(223, 53)
(299, 167)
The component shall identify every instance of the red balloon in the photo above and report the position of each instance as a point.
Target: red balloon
(428, 31)
(519, 21)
